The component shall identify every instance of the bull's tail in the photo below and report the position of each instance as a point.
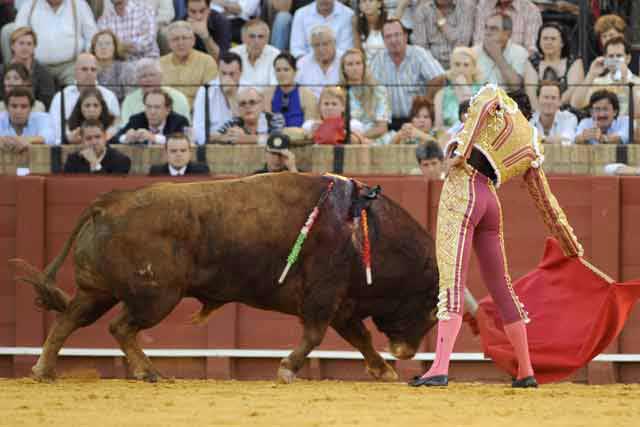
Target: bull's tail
(50, 297)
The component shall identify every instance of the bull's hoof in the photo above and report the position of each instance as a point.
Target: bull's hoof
(384, 373)
(286, 376)
(43, 375)
(150, 376)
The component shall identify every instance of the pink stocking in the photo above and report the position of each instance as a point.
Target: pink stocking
(517, 334)
(447, 334)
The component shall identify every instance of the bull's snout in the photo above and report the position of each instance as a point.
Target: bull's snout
(402, 351)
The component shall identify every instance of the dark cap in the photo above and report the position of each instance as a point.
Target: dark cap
(277, 143)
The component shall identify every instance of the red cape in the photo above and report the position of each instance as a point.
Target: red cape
(575, 314)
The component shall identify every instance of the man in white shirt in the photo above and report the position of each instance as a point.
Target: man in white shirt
(64, 29)
(86, 70)
(331, 13)
(238, 12)
(257, 56)
(554, 126)
(222, 98)
(321, 67)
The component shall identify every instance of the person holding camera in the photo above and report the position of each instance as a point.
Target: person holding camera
(278, 157)
(611, 70)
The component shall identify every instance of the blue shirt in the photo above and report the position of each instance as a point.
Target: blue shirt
(293, 114)
(619, 126)
(38, 124)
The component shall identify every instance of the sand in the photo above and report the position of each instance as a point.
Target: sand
(97, 402)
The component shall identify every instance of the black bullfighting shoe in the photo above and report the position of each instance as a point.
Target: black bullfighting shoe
(434, 381)
(526, 382)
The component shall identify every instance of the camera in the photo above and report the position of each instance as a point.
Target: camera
(613, 62)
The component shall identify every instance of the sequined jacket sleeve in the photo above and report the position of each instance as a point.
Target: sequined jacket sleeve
(552, 213)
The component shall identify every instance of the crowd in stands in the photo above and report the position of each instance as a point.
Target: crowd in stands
(359, 72)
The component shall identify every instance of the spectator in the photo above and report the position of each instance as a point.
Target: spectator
(95, 156)
(257, 56)
(322, 66)
(294, 102)
(178, 152)
(238, 12)
(554, 126)
(368, 101)
(501, 61)
(420, 129)
(525, 16)
(135, 26)
(23, 43)
(86, 75)
(613, 70)
(367, 26)
(113, 71)
(90, 106)
(278, 157)
(608, 27)
(16, 75)
(221, 96)
(553, 61)
(329, 13)
(405, 69)
(605, 126)
(185, 67)
(21, 127)
(149, 77)
(64, 29)
(211, 28)
(330, 128)
(280, 13)
(430, 160)
(251, 126)
(441, 25)
(153, 125)
(463, 81)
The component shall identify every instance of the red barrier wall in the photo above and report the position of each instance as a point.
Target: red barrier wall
(38, 213)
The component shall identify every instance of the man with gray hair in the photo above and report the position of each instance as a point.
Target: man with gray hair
(148, 77)
(331, 13)
(257, 56)
(186, 68)
(321, 67)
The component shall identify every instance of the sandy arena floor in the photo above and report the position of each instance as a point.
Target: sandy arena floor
(96, 403)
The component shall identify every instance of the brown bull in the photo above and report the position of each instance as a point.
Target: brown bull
(228, 241)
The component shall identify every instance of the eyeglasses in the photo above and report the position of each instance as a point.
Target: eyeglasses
(248, 103)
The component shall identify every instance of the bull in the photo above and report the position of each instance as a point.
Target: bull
(227, 241)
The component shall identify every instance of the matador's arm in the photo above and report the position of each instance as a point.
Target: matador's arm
(552, 213)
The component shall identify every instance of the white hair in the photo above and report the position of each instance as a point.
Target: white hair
(319, 30)
(147, 63)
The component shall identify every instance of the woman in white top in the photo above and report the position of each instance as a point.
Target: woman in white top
(367, 26)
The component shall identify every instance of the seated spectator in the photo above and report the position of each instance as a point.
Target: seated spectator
(178, 152)
(322, 66)
(278, 157)
(294, 102)
(86, 73)
(330, 128)
(608, 27)
(406, 70)
(257, 56)
(501, 61)
(605, 126)
(404, 10)
(367, 26)
(90, 106)
(463, 81)
(463, 109)
(613, 70)
(134, 23)
(251, 126)
(328, 13)
(280, 15)
(368, 101)
(420, 129)
(95, 156)
(441, 25)
(238, 12)
(113, 71)
(16, 75)
(23, 44)
(186, 68)
(211, 28)
(19, 126)
(524, 15)
(148, 77)
(554, 126)
(221, 96)
(155, 124)
(430, 160)
(554, 62)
